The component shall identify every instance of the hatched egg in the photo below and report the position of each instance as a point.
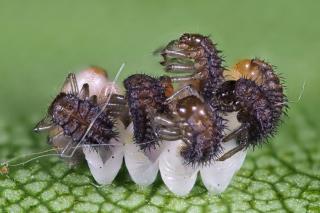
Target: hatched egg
(105, 162)
(178, 177)
(217, 176)
(142, 165)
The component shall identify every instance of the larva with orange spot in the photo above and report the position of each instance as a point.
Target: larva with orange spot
(255, 91)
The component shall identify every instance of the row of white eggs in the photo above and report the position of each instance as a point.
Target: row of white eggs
(143, 167)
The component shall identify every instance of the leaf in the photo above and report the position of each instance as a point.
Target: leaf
(279, 177)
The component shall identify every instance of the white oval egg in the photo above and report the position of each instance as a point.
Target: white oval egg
(177, 176)
(142, 167)
(105, 162)
(217, 176)
(97, 79)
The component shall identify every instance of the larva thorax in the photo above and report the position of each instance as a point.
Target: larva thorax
(75, 116)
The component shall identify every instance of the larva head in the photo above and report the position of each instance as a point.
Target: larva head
(192, 38)
(190, 106)
(246, 68)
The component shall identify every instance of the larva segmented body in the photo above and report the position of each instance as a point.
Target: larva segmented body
(146, 97)
(255, 91)
(198, 55)
(74, 116)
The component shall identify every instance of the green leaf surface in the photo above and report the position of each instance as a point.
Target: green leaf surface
(42, 41)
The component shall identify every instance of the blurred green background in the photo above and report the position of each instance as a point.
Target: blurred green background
(42, 41)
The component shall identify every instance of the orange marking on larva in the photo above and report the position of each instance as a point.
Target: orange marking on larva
(169, 91)
(245, 69)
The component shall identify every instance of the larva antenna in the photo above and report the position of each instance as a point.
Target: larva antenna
(32, 159)
(8, 162)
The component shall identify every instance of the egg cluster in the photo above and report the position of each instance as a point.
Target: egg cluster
(198, 118)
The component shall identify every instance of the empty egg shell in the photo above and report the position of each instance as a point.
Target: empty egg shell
(178, 177)
(218, 175)
(105, 162)
(142, 166)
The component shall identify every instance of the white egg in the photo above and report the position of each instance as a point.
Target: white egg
(177, 176)
(142, 166)
(217, 176)
(105, 162)
(97, 79)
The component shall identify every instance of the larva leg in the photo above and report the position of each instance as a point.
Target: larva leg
(162, 120)
(71, 78)
(120, 99)
(44, 125)
(241, 134)
(179, 68)
(236, 133)
(117, 103)
(183, 92)
(165, 128)
(84, 92)
(232, 152)
(173, 53)
(169, 134)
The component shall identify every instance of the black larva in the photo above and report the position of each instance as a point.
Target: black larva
(256, 93)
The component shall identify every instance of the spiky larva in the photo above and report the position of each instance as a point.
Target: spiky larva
(79, 126)
(255, 91)
(104, 162)
(146, 97)
(198, 55)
